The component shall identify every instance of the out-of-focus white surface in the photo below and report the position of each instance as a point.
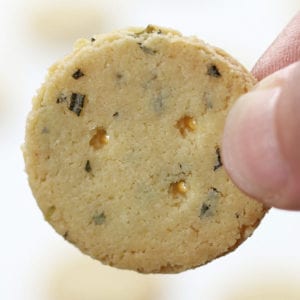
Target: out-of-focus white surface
(77, 277)
(30, 249)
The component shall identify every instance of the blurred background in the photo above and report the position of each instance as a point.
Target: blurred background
(36, 263)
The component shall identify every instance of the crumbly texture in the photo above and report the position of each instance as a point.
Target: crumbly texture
(123, 154)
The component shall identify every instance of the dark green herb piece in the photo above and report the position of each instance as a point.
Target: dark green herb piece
(209, 206)
(45, 130)
(93, 39)
(219, 163)
(76, 104)
(154, 77)
(119, 76)
(213, 71)
(99, 219)
(158, 103)
(88, 167)
(51, 210)
(147, 50)
(116, 114)
(66, 235)
(77, 74)
(204, 208)
(207, 99)
(61, 98)
(213, 192)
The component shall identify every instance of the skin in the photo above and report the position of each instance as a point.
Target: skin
(261, 141)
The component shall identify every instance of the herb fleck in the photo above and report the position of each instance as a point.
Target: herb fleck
(88, 167)
(119, 76)
(77, 102)
(213, 71)
(152, 28)
(45, 130)
(116, 114)
(207, 99)
(99, 219)
(204, 208)
(147, 50)
(49, 213)
(77, 74)
(209, 206)
(66, 235)
(93, 39)
(219, 163)
(61, 98)
(213, 192)
(158, 103)
(149, 29)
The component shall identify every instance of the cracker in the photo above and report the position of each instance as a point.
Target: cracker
(123, 152)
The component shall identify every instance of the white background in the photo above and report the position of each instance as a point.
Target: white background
(33, 35)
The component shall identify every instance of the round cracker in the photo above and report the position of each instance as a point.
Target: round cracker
(123, 151)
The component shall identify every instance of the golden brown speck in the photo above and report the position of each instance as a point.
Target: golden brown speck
(99, 139)
(179, 187)
(185, 124)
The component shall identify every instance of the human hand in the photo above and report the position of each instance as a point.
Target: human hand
(261, 141)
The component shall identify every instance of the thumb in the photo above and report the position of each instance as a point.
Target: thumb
(261, 142)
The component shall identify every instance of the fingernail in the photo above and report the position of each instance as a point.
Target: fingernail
(252, 146)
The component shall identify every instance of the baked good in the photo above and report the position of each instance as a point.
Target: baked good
(122, 150)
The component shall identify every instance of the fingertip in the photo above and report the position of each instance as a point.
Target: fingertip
(250, 148)
(260, 148)
(284, 51)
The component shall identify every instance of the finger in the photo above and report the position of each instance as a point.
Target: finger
(261, 142)
(284, 51)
